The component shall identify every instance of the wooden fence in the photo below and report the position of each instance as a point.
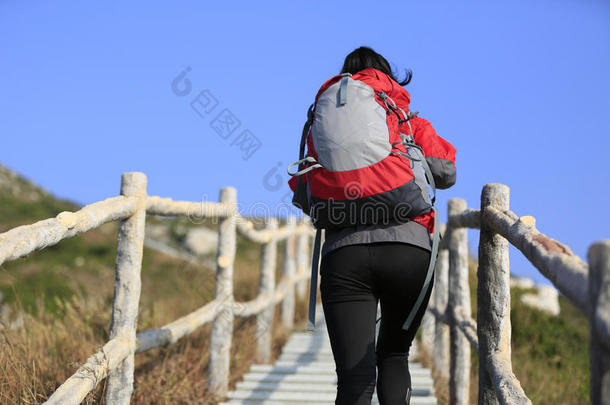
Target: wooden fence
(116, 358)
(448, 327)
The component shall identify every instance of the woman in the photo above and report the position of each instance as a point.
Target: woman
(364, 265)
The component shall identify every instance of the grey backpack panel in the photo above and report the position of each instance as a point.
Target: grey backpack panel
(419, 173)
(352, 135)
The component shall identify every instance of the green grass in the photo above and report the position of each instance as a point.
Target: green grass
(550, 354)
(51, 273)
(15, 212)
(48, 286)
(45, 274)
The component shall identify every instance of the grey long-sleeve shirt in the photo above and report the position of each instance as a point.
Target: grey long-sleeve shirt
(408, 232)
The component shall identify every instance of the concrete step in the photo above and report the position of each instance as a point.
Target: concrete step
(309, 346)
(374, 401)
(293, 368)
(302, 397)
(305, 387)
(416, 381)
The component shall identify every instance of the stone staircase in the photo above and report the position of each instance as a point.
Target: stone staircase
(305, 374)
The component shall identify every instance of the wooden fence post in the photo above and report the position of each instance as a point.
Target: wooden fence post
(264, 320)
(441, 330)
(493, 292)
(130, 245)
(427, 330)
(289, 270)
(302, 259)
(222, 326)
(599, 314)
(459, 301)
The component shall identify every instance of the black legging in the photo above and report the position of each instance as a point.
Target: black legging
(352, 279)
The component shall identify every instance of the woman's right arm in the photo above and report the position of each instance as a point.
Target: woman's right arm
(440, 154)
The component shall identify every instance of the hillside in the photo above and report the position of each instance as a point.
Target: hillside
(22, 201)
(67, 291)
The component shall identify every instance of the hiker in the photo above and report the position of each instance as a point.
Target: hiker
(380, 257)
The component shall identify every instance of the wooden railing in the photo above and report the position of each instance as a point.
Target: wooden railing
(448, 329)
(116, 359)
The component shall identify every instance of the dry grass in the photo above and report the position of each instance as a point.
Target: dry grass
(46, 350)
(50, 346)
(37, 358)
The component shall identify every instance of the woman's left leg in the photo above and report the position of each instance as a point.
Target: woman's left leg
(350, 307)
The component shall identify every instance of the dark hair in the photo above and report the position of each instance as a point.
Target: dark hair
(364, 57)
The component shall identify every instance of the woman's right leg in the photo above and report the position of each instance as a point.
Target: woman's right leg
(350, 307)
(399, 279)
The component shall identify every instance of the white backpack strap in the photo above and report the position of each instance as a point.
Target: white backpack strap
(303, 171)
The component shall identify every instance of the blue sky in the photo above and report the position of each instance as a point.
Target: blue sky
(519, 87)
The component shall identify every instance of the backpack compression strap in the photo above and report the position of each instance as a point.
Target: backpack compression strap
(435, 235)
(435, 243)
(313, 286)
(424, 290)
(408, 140)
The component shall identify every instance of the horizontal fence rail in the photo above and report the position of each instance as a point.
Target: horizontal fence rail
(449, 331)
(115, 360)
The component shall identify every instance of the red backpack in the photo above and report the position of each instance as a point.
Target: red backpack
(362, 164)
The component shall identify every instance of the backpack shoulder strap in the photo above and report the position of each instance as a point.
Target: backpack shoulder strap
(302, 159)
(306, 131)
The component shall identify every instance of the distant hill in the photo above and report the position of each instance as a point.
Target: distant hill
(15, 185)
(22, 201)
(84, 265)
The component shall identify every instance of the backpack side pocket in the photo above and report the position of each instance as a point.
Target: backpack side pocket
(300, 199)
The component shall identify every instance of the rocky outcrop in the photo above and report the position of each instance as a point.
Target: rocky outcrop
(15, 185)
(190, 244)
(545, 297)
(201, 241)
